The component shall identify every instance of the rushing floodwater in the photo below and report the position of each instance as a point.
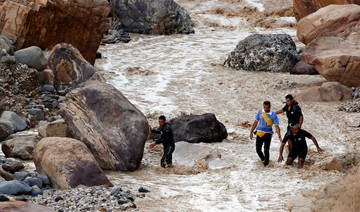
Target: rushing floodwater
(184, 74)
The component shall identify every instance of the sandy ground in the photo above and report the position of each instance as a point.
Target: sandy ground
(184, 74)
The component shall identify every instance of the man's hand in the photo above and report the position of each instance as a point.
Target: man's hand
(251, 136)
(320, 150)
(152, 145)
(280, 159)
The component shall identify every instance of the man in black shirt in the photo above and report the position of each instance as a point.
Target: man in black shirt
(296, 139)
(167, 140)
(293, 111)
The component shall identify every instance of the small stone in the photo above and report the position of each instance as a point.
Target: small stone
(3, 198)
(57, 199)
(23, 199)
(48, 88)
(121, 202)
(143, 190)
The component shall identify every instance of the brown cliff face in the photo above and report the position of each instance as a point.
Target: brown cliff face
(46, 23)
(303, 8)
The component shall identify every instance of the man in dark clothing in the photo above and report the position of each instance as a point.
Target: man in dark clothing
(296, 139)
(293, 111)
(167, 140)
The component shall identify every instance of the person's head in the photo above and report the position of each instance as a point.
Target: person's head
(294, 128)
(162, 120)
(267, 106)
(289, 99)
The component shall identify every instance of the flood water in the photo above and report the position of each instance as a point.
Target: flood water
(184, 74)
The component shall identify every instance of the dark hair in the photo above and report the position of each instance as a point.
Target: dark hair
(289, 96)
(162, 117)
(267, 103)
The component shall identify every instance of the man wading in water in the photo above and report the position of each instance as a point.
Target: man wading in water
(296, 138)
(167, 140)
(293, 112)
(264, 120)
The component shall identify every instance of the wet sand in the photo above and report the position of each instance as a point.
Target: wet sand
(184, 74)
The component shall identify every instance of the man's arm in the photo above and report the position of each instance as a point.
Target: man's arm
(253, 128)
(278, 132)
(279, 111)
(301, 121)
(317, 145)
(280, 153)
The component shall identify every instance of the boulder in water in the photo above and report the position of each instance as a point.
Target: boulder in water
(259, 52)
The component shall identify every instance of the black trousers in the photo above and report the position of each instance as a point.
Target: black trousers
(167, 156)
(266, 140)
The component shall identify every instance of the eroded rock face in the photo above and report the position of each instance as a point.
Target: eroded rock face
(303, 8)
(68, 163)
(333, 20)
(328, 91)
(335, 59)
(69, 67)
(46, 23)
(198, 128)
(110, 126)
(151, 17)
(260, 52)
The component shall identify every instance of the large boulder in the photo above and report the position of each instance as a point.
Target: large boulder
(259, 52)
(112, 128)
(335, 59)
(20, 146)
(68, 163)
(302, 68)
(16, 121)
(46, 23)
(151, 17)
(32, 56)
(328, 91)
(333, 20)
(20, 206)
(198, 128)
(303, 8)
(69, 67)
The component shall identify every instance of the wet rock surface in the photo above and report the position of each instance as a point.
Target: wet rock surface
(261, 52)
(151, 17)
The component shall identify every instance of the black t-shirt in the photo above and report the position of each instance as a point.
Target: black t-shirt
(297, 140)
(293, 114)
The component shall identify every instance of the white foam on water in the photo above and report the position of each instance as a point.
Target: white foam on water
(257, 4)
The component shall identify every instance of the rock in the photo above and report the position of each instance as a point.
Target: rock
(56, 128)
(32, 181)
(45, 180)
(20, 176)
(4, 133)
(303, 68)
(13, 166)
(4, 45)
(8, 59)
(14, 187)
(260, 52)
(18, 122)
(36, 192)
(68, 163)
(151, 17)
(20, 146)
(32, 56)
(4, 198)
(57, 199)
(9, 43)
(335, 59)
(328, 91)
(333, 20)
(36, 112)
(334, 164)
(8, 127)
(303, 8)
(143, 190)
(198, 128)
(6, 175)
(1, 180)
(23, 206)
(70, 68)
(110, 126)
(81, 23)
(48, 88)
(47, 77)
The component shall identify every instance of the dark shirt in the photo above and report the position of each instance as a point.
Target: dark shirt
(297, 140)
(166, 137)
(294, 113)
